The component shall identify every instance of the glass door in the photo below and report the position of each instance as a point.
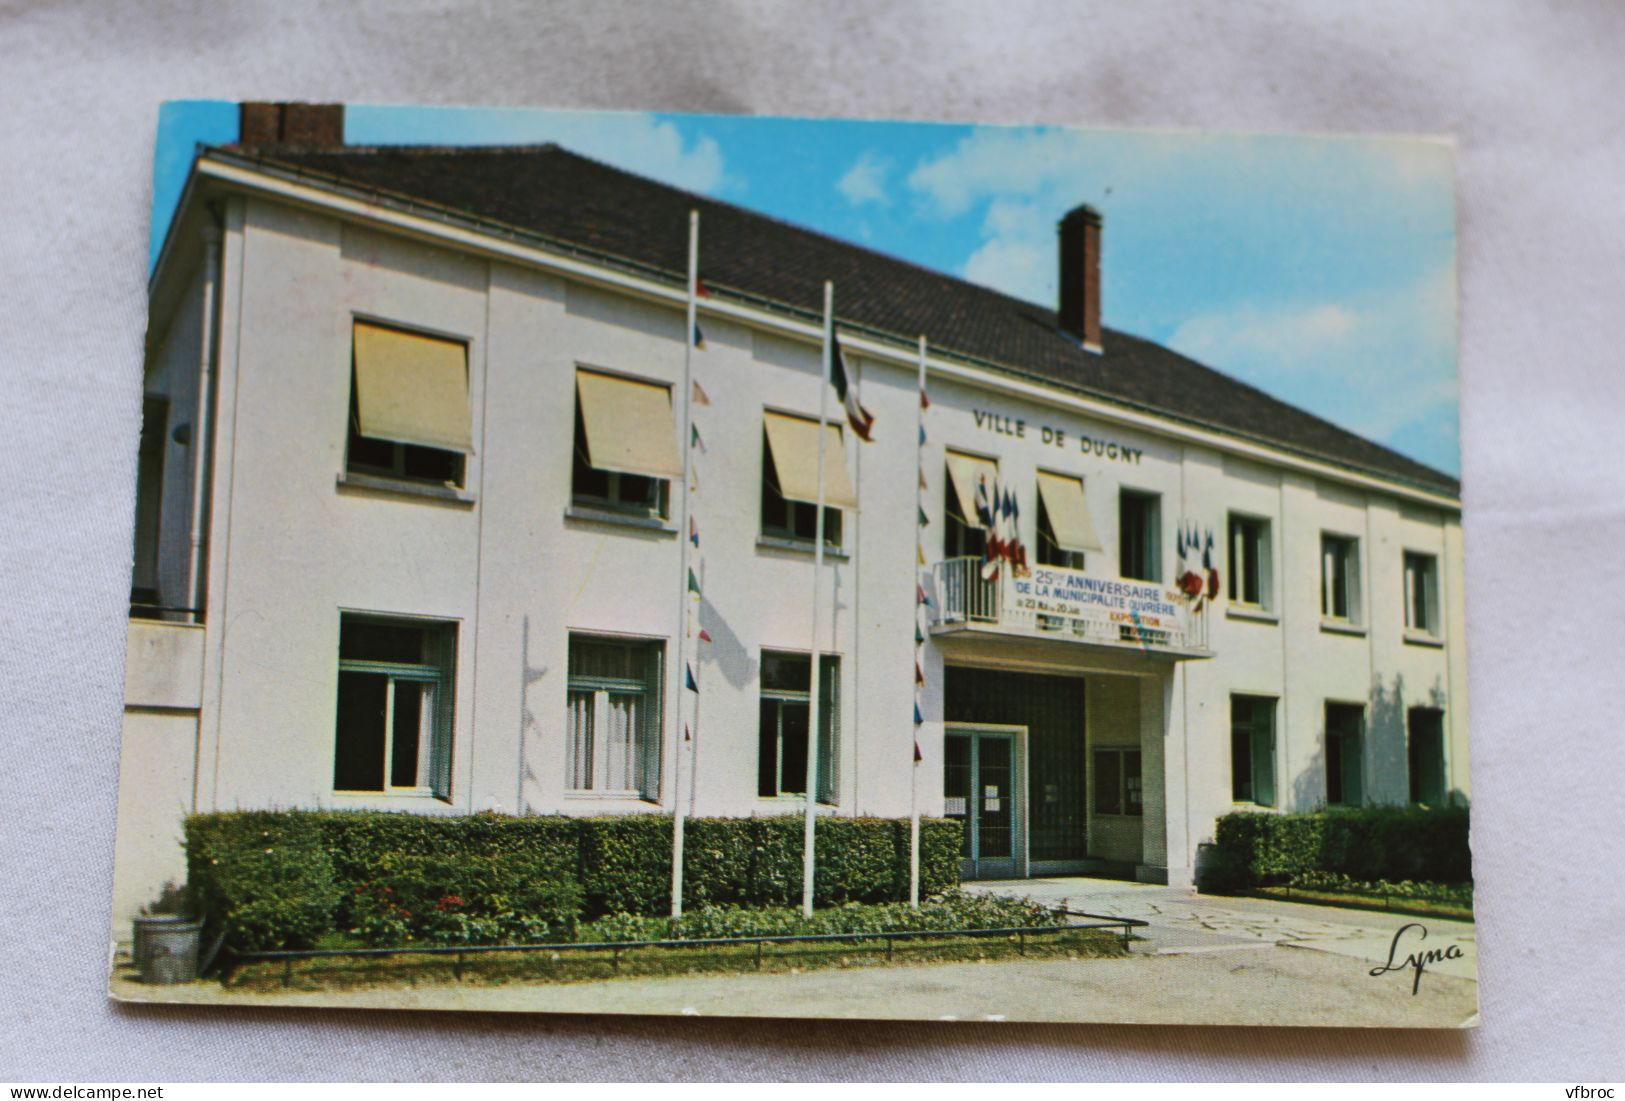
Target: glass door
(979, 787)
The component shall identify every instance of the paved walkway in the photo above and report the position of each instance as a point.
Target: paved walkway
(1202, 960)
(1183, 922)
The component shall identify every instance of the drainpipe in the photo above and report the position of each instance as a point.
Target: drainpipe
(202, 422)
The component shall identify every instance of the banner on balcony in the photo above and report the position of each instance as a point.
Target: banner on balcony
(1106, 605)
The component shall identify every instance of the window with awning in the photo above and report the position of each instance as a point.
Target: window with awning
(1067, 511)
(965, 473)
(411, 389)
(627, 425)
(793, 447)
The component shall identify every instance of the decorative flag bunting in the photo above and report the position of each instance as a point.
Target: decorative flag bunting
(925, 521)
(687, 734)
(693, 532)
(918, 756)
(694, 437)
(918, 718)
(925, 400)
(1196, 577)
(700, 288)
(922, 435)
(705, 636)
(699, 394)
(689, 672)
(699, 336)
(919, 674)
(693, 582)
(862, 421)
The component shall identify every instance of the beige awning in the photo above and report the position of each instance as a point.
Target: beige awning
(794, 443)
(629, 425)
(1068, 512)
(411, 388)
(965, 471)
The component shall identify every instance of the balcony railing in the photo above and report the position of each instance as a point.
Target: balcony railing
(967, 599)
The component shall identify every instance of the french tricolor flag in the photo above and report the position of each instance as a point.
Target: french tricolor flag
(862, 421)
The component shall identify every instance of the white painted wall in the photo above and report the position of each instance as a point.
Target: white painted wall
(290, 546)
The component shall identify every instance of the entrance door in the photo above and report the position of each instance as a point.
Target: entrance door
(980, 781)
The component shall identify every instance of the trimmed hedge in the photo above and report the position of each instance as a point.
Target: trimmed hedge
(464, 899)
(264, 876)
(283, 879)
(1364, 843)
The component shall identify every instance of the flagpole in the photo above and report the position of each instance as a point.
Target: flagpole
(809, 827)
(682, 577)
(914, 750)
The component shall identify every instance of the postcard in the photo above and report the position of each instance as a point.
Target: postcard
(664, 564)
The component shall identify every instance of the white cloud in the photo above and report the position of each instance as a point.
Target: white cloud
(1288, 341)
(865, 181)
(635, 141)
(1383, 366)
(652, 148)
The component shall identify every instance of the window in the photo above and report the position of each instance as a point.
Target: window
(409, 410)
(1117, 782)
(395, 706)
(1139, 528)
(1250, 580)
(1252, 750)
(964, 535)
(1345, 723)
(1422, 594)
(1426, 730)
(790, 452)
(613, 716)
(1339, 578)
(785, 717)
(1065, 532)
(625, 451)
(636, 494)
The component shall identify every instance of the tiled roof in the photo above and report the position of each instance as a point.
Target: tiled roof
(549, 191)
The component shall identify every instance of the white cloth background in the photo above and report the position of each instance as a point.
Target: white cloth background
(1534, 96)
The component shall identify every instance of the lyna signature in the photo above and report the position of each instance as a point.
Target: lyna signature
(1418, 960)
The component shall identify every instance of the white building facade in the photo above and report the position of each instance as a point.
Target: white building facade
(410, 537)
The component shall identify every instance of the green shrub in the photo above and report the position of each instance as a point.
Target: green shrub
(508, 898)
(953, 910)
(626, 863)
(287, 877)
(1460, 894)
(264, 878)
(359, 840)
(1361, 843)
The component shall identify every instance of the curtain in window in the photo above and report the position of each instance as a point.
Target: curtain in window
(625, 717)
(829, 729)
(580, 719)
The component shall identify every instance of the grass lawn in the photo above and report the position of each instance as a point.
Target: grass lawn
(1395, 904)
(594, 965)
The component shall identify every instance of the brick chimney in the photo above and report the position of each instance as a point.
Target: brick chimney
(1080, 276)
(291, 123)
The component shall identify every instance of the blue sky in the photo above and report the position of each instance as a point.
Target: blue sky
(1319, 269)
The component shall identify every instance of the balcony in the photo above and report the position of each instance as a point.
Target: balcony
(1067, 606)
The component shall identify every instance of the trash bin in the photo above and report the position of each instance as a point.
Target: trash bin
(166, 947)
